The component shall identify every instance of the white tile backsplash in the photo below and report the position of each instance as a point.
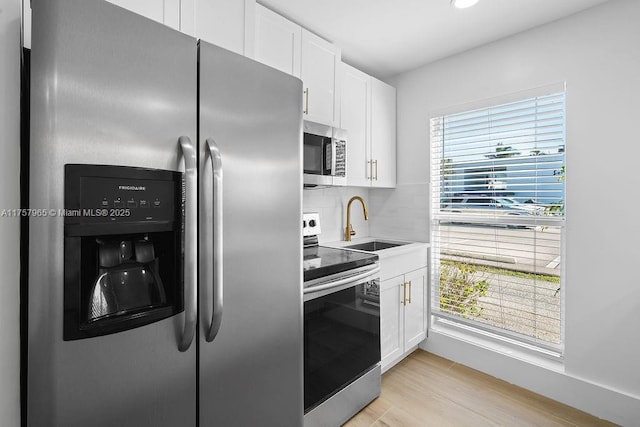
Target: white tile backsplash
(331, 204)
(398, 213)
(401, 212)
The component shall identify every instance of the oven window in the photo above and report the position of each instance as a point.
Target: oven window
(341, 340)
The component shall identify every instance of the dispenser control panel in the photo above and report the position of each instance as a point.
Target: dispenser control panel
(99, 196)
(139, 200)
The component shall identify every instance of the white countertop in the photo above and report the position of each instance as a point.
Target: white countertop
(407, 246)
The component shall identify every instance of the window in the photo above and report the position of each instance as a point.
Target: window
(498, 218)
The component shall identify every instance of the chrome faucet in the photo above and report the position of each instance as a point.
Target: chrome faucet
(350, 231)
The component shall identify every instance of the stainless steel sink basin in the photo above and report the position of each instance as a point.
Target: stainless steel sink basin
(375, 245)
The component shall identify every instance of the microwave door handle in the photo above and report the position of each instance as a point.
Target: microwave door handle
(217, 285)
(334, 151)
(327, 151)
(191, 242)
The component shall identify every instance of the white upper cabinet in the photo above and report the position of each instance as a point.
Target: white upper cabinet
(368, 113)
(164, 11)
(383, 134)
(220, 22)
(168, 12)
(277, 41)
(356, 119)
(288, 47)
(178, 14)
(319, 73)
(225, 23)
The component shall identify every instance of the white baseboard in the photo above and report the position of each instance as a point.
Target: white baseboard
(595, 399)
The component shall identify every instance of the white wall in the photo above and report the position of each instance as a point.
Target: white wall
(331, 204)
(596, 52)
(9, 199)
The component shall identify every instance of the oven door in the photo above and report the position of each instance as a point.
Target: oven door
(341, 334)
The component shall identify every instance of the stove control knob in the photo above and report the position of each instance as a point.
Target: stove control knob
(312, 223)
(304, 224)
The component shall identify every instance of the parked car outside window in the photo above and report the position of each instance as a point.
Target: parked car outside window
(480, 204)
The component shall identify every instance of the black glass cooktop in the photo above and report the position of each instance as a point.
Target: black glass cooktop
(320, 261)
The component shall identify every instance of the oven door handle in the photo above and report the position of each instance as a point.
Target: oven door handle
(369, 274)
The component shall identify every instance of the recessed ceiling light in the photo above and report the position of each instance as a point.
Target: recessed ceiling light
(463, 4)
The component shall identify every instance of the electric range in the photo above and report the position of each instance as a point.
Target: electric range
(341, 329)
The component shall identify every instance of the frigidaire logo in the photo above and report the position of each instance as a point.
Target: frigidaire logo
(132, 187)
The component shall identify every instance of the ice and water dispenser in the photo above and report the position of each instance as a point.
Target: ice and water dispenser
(123, 248)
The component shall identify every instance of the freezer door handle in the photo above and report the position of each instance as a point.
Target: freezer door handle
(191, 242)
(217, 285)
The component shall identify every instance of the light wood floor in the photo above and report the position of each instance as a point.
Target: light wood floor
(427, 390)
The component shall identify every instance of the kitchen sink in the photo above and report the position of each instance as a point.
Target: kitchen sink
(375, 245)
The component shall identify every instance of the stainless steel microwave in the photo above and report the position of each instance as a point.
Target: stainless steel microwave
(325, 155)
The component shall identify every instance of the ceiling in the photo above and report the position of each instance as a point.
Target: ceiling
(388, 37)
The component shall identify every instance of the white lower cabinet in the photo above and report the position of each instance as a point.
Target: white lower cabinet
(403, 310)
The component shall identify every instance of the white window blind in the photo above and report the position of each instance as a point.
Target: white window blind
(498, 214)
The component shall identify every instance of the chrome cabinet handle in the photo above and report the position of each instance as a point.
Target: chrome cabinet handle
(370, 174)
(191, 242)
(376, 175)
(306, 101)
(217, 285)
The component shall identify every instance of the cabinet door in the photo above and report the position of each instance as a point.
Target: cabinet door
(177, 14)
(319, 66)
(164, 11)
(355, 118)
(415, 314)
(222, 22)
(391, 325)
(277, 41)
(383, 134)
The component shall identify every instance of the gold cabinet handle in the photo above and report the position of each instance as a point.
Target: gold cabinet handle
(404, 293)
(370, 174)
(306, 101)
(376, 175)
(409, 300)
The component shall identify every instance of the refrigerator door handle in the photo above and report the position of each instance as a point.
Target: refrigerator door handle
(216, 164)
(191, 242)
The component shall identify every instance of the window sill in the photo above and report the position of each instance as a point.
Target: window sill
(541, 357)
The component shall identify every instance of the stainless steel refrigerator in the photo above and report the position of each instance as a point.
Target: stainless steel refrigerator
(165, 259)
